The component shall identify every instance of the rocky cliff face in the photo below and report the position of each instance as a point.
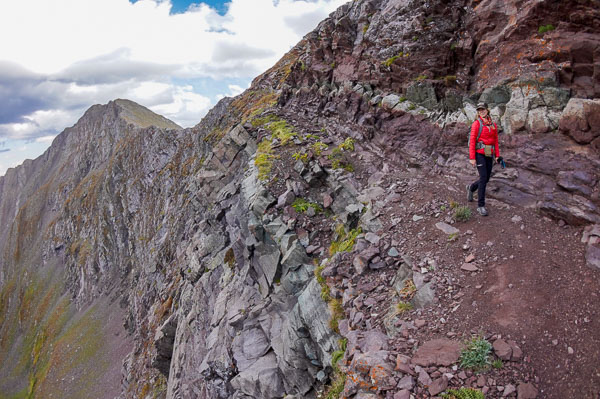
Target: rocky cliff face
(144, 260)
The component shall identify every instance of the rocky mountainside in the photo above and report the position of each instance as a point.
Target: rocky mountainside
(304, 239)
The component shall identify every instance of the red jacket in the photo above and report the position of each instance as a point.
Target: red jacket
(489, 136)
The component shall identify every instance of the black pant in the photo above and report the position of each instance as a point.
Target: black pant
(484, 167)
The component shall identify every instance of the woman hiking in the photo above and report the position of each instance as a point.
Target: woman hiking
(483, 148)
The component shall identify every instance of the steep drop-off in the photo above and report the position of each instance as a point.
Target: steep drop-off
(139, 259)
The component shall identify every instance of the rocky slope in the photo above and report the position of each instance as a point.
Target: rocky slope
(238, 259)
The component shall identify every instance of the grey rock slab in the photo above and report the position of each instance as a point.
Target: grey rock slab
(393, 252)
(407, 382)
(372, 238)
(416, 218)
(446, 228)
(592, 256)
(388, 102)
(249, 346)
(261, 380)
(424, 296)
(263, 200)
(437, 352)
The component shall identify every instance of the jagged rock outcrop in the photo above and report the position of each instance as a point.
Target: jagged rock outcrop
(193, 262)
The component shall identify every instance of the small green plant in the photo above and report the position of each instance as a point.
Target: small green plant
(463, 393)
(264, 159)
(347, 145)
(281, 131)
(333, 64)
(311, 136)
(462, 213)
(415, 38)
(302, 66)
(300, 156)
(337, 314)
(546, 28)
(443, 208)
(497, 364)
(345, 240)
(429, 20)
(365, 28)
(337, 386)
(336, 357)
(452, 237)
(391, 60)
(318, 148)
(453, 47)
(454, 204)
(337, 160)
(325, 291)
(476, 354)
(412, 107)
(301, 205)
(402, 99)
(421, 78)
(402, 307)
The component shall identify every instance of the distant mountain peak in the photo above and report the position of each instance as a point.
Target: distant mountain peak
(141, 116)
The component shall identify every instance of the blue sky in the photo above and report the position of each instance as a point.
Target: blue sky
(176, 57)
(180, 6)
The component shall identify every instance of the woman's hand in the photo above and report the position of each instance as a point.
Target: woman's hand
(472, 162)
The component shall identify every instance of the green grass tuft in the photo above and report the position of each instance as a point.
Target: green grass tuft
(402, 307)
(476, 355)
(345, 240)
(462, 213)
(546, 28)
(463, 393)
(301, 206)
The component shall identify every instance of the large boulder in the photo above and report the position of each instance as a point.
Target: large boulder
(581, 120)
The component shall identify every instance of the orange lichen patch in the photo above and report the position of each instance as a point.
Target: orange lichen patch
(163, 308)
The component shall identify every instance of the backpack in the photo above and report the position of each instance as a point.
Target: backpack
(478, 134)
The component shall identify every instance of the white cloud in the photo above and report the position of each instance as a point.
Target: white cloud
(62, 56)
(45, 139)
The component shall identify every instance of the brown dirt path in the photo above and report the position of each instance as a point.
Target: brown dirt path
(533, 286)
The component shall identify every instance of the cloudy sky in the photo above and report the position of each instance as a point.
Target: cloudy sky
(176, 57)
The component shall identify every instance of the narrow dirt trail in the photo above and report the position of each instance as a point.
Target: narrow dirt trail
(533, 287)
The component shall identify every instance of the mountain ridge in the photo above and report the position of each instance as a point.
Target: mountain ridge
(243, 255)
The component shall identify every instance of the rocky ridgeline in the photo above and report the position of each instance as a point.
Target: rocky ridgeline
(262, 253)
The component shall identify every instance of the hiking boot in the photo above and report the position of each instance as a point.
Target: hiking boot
(482, 211)
(469, 193)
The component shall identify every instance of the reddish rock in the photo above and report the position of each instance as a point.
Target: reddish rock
(439, 385)
(502, 349)
(517, 353)
(403, 394)
(580, 120)
(526, 391)
(469, 267)
(470, 258)
(437, 352)
(327, 200)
